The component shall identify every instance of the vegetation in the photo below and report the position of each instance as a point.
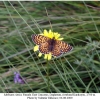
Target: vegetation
(76, 71)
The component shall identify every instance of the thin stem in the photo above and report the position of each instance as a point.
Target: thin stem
(48, 80)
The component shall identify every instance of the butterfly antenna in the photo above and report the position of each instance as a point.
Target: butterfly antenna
(48, 18)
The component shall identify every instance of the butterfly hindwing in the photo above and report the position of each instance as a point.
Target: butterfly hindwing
(56, 51)
(43, 48)
(39, 39)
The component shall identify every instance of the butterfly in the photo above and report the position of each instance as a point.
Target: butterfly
(46, 45)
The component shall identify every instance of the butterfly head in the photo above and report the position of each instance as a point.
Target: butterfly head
(53, 38)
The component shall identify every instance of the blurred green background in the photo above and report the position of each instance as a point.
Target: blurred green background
(79, 24)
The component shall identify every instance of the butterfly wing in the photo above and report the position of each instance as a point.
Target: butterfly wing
(61, 47)
(39, 39)
(43, 48)
(64, 47)
(56, 51)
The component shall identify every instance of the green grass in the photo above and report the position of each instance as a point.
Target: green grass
(77, 71)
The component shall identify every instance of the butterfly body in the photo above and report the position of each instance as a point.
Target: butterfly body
(47, 45)
(51, 43)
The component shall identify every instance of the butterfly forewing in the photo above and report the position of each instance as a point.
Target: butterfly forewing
(39, 39)
(64, 47)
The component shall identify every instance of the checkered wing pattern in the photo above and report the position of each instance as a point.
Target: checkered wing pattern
(56, 50)
(64, 47)
(43, 48)
(39, 39)
(60, 48)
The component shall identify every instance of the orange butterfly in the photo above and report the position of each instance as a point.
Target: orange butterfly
(46, 45)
